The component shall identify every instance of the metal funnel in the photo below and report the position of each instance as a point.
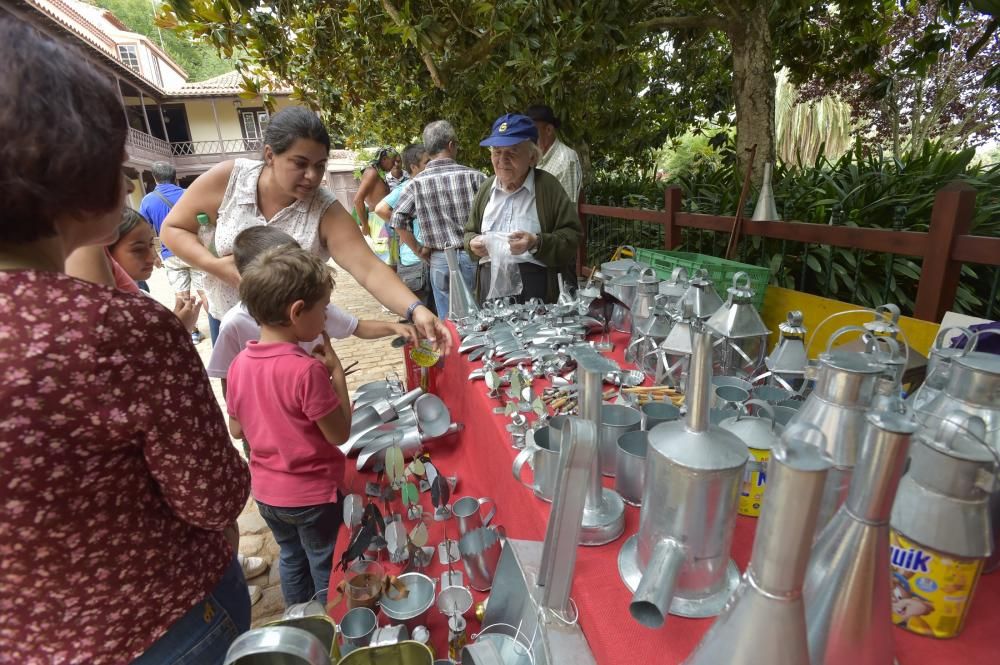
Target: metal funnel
(848, 603)
(766, 210)
(764, 620)
(461, 304)
(679, 561)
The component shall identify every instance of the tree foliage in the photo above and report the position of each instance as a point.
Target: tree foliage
(910, 95)
(199, 60)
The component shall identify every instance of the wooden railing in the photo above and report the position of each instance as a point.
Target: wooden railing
(224, 147)
(943, 249)
(146, 142)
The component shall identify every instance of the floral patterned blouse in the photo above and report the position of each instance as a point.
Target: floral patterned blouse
(117, 475)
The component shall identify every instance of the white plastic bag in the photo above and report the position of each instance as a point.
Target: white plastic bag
(505, 275)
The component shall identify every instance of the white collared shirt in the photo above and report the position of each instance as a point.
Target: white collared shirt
(513, 211)
(239, 211)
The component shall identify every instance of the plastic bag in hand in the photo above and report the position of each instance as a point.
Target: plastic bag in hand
(505, 275)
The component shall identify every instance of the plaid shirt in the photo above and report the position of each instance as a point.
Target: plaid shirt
(563, 162)
(441, 196)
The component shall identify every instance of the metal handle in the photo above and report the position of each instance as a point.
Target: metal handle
(974, 340)
(802, 431)
(679, 275)
(939, 340)
(757, 402)
(519, 461)
(839, 333)
(493, 510)
(745, 278)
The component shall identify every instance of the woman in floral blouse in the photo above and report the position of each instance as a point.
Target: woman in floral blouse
(117, 476)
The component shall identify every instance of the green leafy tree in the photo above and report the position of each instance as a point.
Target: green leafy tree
(199, 59)
(625, 73)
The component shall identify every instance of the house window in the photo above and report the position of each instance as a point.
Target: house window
(129, 56)
(252, 124)
(157, 75)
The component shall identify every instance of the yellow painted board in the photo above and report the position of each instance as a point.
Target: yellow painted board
(778, 302)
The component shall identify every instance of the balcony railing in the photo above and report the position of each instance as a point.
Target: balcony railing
(143, 141)
(224, 147)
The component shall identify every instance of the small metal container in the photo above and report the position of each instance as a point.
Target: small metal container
(411, 610)
(616, 419)
(631, 466)
(277, 644)
(654, 413)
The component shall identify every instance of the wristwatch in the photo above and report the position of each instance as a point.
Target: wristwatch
(537, 245)
(411, 309)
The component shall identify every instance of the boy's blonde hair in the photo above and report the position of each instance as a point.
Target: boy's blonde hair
(280, 276)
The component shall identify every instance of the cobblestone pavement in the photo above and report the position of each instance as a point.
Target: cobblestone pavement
(375, 358)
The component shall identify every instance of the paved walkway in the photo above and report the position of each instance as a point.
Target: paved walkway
(375, 358)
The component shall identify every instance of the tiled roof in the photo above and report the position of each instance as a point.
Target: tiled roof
(230, 83)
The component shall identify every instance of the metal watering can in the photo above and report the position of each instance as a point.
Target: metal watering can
(679, 561)
(939, 366)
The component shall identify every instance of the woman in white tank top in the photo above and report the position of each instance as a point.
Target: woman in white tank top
(284, 190)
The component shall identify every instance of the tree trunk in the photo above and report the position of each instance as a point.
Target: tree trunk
(753, 87)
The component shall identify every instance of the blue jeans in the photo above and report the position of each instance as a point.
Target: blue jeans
(306, 536)
(439, 278)
(204, 634)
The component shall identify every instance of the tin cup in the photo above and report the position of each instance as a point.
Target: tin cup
(363, 584)
(616, 419)
(630, 469)
(357, 627)
(542, 454)
(654, 413)
(468, 512)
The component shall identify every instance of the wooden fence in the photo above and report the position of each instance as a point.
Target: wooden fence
(943, 249)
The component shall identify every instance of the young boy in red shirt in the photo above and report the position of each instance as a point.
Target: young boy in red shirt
(295, 408)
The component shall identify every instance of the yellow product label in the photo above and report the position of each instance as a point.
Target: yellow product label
(931, 590)
(754, 481)
(424, 354)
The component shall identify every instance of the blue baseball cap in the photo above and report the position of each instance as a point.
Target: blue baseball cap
(511, 129)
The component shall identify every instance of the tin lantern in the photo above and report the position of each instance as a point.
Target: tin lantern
(740, 334)
(673, 289)
(673, 355)
(786, 366)
(701, 295)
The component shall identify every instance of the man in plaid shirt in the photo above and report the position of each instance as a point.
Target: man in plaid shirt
(441, 197)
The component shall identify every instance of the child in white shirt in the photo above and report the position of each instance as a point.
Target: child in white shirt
(238, 327)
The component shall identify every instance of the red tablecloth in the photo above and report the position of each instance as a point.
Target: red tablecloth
(481, 456)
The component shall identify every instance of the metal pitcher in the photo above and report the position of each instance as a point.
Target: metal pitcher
(679, 561)
(623, 287)
(848, 613)
(939, 367)
(843, 393)
(764, 620)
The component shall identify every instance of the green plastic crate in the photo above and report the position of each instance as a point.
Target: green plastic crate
(720, 271)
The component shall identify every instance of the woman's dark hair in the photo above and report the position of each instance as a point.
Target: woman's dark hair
(294, 122)
(254, 241)
(62, 134)
(412, 154)
(130, 220)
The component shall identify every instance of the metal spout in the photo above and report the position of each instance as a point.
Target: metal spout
(766, 210)
(577, 459)
(461, 304)
(699, 382)
(651, 600)
(848, 611)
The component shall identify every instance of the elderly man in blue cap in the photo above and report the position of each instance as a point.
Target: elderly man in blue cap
(526, 207)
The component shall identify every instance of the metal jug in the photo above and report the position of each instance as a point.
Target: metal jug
(974, 388)
(848, 613)
(764, 620)
(701, 295)
(939, 367)
(843, 393)
(787, 363)
(648, 335)
(624, 288)
(679, 561)
(740, 334)
(643, 306)
(941, 526)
